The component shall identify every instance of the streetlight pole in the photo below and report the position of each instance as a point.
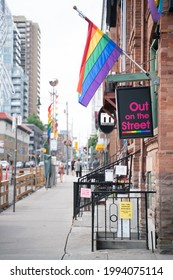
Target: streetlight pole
(52, 136)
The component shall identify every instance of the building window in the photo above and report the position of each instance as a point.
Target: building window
(111, 13)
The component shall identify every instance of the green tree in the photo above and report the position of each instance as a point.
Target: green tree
(34, 119)
(92, 141)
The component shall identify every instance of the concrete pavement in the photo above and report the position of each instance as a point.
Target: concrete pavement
(39, 227)
(42, 229)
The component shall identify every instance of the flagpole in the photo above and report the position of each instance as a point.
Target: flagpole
(146, 73)
(79, 12)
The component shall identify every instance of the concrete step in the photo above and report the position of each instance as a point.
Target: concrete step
(109, 243)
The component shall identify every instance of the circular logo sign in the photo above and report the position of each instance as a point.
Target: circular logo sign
(106, 122)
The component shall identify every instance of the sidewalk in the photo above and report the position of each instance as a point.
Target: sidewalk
(42, 229)
(39, 227)
(79, 246)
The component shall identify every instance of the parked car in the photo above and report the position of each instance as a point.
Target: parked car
(41, 163)
(19, 164)
(4, 164)
(32, 163)
(29, 163)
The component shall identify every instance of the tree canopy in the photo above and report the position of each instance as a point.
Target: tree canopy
(34, 119)
(92, 141)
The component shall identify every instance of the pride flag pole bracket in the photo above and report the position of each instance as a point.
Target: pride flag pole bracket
(146, 73)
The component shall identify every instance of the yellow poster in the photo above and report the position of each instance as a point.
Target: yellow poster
(125, 210)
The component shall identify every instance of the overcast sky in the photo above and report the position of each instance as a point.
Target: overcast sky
(63, 37)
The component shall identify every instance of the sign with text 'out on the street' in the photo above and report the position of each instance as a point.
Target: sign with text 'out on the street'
(134, 112)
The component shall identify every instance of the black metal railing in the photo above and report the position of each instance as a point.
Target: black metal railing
(113, 226)
(110, 193)
(96, 180)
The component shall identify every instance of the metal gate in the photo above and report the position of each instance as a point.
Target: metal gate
(119, 220)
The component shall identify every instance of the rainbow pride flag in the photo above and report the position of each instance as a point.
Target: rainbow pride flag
(99, 56)
(155, 7)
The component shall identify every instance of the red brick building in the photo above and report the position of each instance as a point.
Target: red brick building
(150, 44)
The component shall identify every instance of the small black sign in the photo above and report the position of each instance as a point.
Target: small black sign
(134, 112)
(106, 122)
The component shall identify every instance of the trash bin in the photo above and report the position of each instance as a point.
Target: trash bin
(53, 171)
(47, 169)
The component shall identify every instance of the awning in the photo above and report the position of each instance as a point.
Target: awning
(99, 147)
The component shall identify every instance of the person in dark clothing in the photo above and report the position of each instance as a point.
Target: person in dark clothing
(96, 163)
(72, 166)
(80, 172)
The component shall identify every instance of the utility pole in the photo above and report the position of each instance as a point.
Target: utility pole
(53, 140)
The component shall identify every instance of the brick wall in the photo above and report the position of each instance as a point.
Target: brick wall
(157, 152)
(165, 139)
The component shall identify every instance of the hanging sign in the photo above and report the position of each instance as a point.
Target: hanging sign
(134, 112)
(106, 123)
(53, 145)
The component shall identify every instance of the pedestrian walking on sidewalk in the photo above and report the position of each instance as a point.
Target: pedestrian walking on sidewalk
(80, 172)
(61, 171)
(72, 166)
(78, 167)
(96, 163)
(1, 173)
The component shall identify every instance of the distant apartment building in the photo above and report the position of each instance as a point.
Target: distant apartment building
(7, 139)
(19, 100)
(19, 67)
(13, 80)
(30, 59)
(35, 143)
(6, 57)
(19, 64)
